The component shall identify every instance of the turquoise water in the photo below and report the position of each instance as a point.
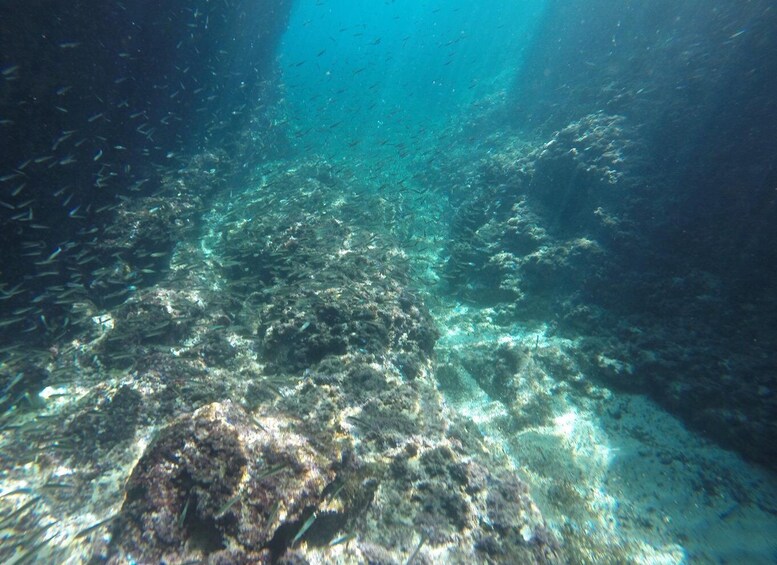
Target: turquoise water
(359, 76)
(388, 282)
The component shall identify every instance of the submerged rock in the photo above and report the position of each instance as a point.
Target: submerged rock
(572, 234)
(350, 454)
(217, 485)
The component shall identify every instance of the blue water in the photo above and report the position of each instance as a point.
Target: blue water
(359, 75)
(413, 281)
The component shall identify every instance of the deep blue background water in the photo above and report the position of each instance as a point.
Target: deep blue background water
(359, 74)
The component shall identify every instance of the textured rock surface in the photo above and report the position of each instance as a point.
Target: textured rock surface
(219, 485)
(568, 234)
(272, 399)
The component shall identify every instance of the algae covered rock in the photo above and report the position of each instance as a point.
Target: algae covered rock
(218, 486)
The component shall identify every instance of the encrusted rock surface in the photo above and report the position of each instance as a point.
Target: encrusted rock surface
(570, 234)
(220, 485)
(273, 395)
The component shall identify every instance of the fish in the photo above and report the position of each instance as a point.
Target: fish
(229, 504)
(272, 471)
(182, 517)
(20, 490)
(29, 554)
(11, 321)
(342, 539)
(94, 526)
(305, 527)
(57, 485)
(417, 549)
(273, 513)
(54, 255)
(14, 381)
(8, 519)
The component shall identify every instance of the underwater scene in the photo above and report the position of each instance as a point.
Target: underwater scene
(388, 282)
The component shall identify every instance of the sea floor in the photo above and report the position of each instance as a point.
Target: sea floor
(617, 478)
(614, 474)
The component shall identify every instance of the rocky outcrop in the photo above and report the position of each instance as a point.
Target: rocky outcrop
(571, 233)
(341, 448)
